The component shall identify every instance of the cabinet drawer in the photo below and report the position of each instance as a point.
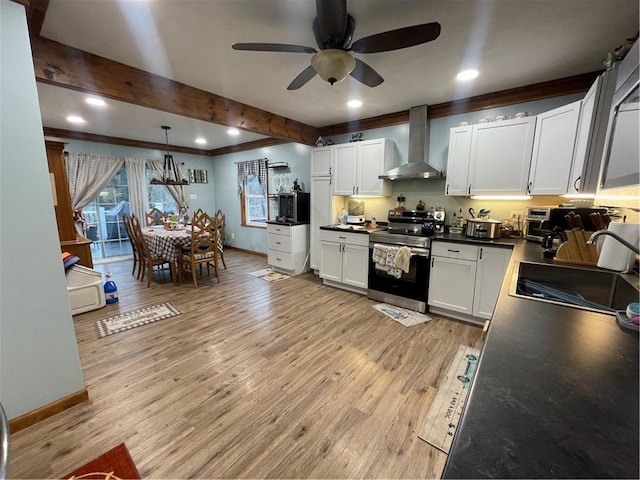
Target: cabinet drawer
(343, 237)
(278, 229)
(461, 251)
(281, 243)
(280, 259)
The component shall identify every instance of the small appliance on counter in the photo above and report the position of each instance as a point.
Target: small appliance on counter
(551, 242)
(483, 228)
(355, 212)
(293, 207)
(541, 221)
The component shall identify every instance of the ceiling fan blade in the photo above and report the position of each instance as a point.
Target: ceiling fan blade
(273, 47)
(331, 23)
(365, 74)
(306, 75)
(396, 39)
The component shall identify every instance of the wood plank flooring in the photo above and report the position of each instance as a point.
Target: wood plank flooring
(254, 380)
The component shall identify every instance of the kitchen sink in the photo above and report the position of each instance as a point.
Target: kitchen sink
(588, 289)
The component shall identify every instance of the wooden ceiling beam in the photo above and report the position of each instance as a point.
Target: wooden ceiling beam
(36, 11)
(64, 66)
(125, 142)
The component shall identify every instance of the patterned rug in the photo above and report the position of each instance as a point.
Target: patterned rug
(269, 275)
(136, 318)
(444, 414)
(404, 316)
(115, 464)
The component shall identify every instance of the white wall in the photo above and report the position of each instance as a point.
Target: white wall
(39, 360)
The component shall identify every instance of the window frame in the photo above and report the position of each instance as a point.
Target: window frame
(244, 197)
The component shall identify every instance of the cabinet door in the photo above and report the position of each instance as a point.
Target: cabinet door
(491, 267)
(458, 161)
(585, 128)
(321, 161)
(321, 214)
(371, 163)
(501, 157)
(355, 265)
(331, 261)
(451, 284)
(345, 169)
(553, 148)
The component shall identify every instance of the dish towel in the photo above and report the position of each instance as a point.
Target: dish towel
(384, 259)
(403, 259)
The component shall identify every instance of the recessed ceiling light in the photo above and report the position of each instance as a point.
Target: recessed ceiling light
(75, 119)
(201, 141)
(98, 102)
(233, 131)
(354, 103)
(467, 75)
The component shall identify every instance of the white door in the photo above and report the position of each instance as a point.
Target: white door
(331, 261)
(321, 214)
(321, 158)
(458, 161)
(583, 137)
(451, 284)
(345, 169)
(491, 267)
(355, 265)
(501, 157)
(553, 148)
(371, 156)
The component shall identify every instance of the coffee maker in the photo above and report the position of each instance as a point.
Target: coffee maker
(551, 242)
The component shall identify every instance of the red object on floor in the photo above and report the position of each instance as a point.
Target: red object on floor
(116, 463)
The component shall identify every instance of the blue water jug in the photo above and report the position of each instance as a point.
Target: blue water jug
(110, 290)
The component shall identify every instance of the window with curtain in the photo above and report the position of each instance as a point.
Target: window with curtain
(159, 196)
(252, 187)
(254, 202)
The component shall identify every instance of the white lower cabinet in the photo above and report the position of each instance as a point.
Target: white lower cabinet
(345, 260)
(287, 248)
(465, 280)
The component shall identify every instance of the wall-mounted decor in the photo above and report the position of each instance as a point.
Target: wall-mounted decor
(198, 176)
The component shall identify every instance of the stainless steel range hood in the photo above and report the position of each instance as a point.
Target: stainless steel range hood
(417, 167)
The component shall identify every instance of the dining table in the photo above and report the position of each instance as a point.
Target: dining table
(164, 243)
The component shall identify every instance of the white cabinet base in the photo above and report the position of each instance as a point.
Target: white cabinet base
(344, 286)
(457, 315)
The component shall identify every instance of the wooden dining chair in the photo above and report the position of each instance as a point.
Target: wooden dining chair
(155, 217)
(137, 257)
(219, 220)
(202, 250)
(148, 260)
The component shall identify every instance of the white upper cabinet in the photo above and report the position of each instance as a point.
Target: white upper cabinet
(501, 157)
(358, 164)
(585, 126)
(321, 161)
(458, 161)
(553, 148)
(345, 169)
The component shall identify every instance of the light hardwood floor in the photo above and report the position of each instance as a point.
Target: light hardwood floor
(254, 380)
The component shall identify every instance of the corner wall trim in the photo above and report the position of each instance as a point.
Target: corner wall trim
(48, 410)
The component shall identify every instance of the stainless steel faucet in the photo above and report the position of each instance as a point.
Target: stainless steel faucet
(595, 235)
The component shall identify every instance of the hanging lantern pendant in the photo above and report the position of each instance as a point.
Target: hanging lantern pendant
(170, 174)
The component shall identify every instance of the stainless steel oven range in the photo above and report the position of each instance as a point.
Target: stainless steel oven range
(412, 229)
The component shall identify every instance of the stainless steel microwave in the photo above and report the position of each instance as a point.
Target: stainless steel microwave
(293, 207)
(541, 221)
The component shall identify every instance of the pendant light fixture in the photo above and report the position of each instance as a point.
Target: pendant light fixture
(170, 175)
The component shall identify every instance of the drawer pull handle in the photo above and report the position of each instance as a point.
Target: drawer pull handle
(278, 243)
(343, 238)
(278, 259)
(453, 251)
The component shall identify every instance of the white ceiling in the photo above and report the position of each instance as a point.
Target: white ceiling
(512, 42)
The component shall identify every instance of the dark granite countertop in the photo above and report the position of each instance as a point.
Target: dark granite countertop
(353, 228)
(286, 224)
(555, 394)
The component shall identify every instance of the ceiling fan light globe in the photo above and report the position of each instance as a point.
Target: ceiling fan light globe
(333, 65)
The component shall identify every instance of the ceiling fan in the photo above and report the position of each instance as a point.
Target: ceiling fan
(333, 29)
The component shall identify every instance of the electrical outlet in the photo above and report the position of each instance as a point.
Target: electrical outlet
(233, 236)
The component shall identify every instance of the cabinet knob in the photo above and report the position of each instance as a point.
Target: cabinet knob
(469, 190)
(575, 184)
(480, 253)
(447, 191)
(529, 187)
(329, 170)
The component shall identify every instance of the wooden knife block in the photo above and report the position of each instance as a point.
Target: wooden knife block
(576, 250)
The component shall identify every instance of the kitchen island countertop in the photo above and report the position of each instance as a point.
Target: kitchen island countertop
(353, 228)
(555, 394)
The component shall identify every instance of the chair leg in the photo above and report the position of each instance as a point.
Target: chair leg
(150, 274)
(193, 275)
(222, 258)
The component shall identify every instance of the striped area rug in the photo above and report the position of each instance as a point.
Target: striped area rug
(136, 318)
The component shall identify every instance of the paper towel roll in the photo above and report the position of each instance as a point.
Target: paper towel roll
(614, 255)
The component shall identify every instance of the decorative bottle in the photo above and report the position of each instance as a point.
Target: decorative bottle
(110, 290)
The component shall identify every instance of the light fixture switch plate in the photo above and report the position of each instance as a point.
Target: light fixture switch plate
(193, 196)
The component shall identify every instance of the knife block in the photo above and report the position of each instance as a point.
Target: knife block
(576, 250)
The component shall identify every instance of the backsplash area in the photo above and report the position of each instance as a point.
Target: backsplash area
(431, 193)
